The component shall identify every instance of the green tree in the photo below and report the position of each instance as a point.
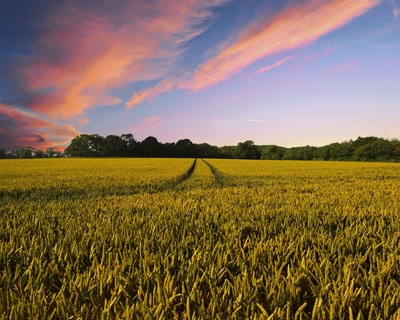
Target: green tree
(40, 154)
(204, 150)
(23, 153)
(114, 146)
(85, 145)
(150, 147)
(185, 148)
(377, 150)
(50, 152)
(130, 144)
(247, 150)
(272, 152)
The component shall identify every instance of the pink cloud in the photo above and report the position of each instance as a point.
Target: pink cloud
(294, 27)
(148, 123)
(272, 66)
(150, 94)
(23, 128)
(83, 55)
(349, 65)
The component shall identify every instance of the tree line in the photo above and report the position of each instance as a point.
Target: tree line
(94, 145)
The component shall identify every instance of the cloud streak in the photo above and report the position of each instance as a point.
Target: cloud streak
(148, 95)
(84, 55)
(296, 26)
(272, 66)
(148, 123)
(396, 9)
(87, 49)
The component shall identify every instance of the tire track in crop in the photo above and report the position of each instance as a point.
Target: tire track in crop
(186, 175)
(220, 178)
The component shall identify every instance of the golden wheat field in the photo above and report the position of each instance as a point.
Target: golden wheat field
(199, 239)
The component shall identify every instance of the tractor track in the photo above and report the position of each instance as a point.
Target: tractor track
(186, 175)
(219, 177)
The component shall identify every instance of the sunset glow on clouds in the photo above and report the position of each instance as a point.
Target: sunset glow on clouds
(85, 55)
(272, 66)
(73, 66)
(148, 123)
(293, 27)
(24, 128)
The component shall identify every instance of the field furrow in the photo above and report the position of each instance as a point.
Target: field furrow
(220, 178)
(201, 177)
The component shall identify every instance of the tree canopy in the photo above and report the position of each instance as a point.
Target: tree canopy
(94, 145)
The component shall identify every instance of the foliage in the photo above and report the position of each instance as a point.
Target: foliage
(184, 239)
(247, 150)
(361, 149)
(95, 146)
(86, 145)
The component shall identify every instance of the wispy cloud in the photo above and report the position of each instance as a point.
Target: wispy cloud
(82, 55)
(24, 128)
(396, 9)
(84, 52)
(349, 65)
(148, 123)
(150, 94)
(294, 27)
(224, 120)
(272, 66)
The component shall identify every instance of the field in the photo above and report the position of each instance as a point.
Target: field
(199, 239)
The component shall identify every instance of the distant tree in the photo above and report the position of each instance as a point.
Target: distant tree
(204, 150)
(247, 150)
(3, 153)
(85, 145)
(94, 145)
(185, 148)
(339, 151)
(377, 150)
(361, 141)
(272, 152)
(228, 152)
(130, 144)
(114, 146)
(23, 153)
(150, 147)
(79, 146)
(322, 153)
(168, 150)
(50, 152)
(40, 154)
(97, 143)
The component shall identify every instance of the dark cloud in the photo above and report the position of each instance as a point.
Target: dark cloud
(40, 139)
(19, 128)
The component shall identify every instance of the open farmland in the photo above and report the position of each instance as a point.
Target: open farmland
(186, 239)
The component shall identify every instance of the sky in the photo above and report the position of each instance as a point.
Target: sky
(291, 73)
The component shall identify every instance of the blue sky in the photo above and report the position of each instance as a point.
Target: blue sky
(289, 73)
